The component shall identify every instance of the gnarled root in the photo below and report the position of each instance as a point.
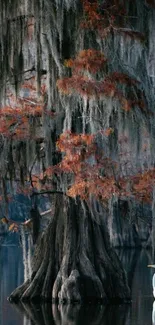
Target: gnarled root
(73, 261)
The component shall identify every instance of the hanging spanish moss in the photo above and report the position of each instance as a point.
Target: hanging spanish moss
(26, 242)
(39, 35)
(36, 39)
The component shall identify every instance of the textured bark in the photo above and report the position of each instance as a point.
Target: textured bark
(73, 260)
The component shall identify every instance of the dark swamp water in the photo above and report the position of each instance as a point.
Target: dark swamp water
(138, 313)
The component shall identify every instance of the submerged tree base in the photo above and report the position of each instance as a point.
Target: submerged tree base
(74, 261)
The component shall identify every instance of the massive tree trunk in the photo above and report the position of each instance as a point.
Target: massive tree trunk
(73, 260)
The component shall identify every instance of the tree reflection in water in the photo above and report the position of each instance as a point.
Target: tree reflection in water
(47, 314)
(138, 313)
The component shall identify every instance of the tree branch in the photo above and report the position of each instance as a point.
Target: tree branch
(48, 192)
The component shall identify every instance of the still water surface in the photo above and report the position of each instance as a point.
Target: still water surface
(138, 313)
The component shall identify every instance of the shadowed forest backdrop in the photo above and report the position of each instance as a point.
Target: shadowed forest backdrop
(77, 127)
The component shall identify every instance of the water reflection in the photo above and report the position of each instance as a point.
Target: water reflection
(138, 313)
(47, 314)
(11, 275)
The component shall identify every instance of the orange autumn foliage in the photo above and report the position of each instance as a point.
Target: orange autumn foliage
(95, 175)
(90, 60)
(83, 81)
(14, 226)
(108, 18)
(103, 181)
(15, 117)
